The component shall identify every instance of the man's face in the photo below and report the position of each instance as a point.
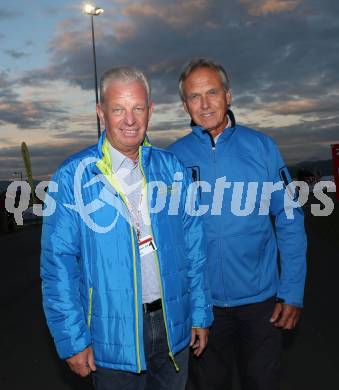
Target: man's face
(206, 100)
(125, 113)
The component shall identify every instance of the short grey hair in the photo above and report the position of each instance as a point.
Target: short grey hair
(125, 74)
(202, 63)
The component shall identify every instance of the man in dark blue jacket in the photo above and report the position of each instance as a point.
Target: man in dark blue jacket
(251, 214)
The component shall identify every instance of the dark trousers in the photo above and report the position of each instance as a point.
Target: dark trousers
(244, 335)
(160, 374)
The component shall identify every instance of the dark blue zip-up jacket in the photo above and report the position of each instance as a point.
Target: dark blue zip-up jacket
(245, 230)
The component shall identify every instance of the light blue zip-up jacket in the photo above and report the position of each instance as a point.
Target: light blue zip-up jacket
(243, 249)
(91, 278)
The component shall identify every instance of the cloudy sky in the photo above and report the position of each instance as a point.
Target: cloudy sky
(282, 57)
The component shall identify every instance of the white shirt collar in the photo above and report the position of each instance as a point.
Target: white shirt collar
(117, 158)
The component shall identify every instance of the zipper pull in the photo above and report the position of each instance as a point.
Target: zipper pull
(177, 369)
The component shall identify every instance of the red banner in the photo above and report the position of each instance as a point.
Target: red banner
(335, 158)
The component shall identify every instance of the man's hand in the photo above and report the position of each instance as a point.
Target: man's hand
(285, 316)
(82, 363)
(199, 340)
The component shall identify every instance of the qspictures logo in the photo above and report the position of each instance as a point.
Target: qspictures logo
(245, 198)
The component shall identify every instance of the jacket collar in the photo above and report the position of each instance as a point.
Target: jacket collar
(145, 151)
(205, 137)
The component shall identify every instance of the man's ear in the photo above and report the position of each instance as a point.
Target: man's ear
(185, 107)
(229, 97)
(101, 114)
(150, 109)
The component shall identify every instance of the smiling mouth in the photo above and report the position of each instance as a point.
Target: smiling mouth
(129, 132)
(209, 114)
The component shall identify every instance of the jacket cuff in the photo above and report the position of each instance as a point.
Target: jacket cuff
(290, 300)
(69, 347)
(203, 317)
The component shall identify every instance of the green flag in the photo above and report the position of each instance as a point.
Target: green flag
(28, 167)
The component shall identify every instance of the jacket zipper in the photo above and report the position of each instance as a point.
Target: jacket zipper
(215, 176)
(171, 355)
(89, 316)
(135, 297)
(108, 176)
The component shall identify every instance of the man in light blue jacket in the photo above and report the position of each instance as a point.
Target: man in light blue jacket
(123, 264)
(251, 214)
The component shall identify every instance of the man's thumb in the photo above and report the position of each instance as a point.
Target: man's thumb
(90, 360)
(276, 312)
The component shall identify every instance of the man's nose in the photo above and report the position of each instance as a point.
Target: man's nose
(129, 118)
(204, 103)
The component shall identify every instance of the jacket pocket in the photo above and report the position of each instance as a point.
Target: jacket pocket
(240, 265)
(242, 260)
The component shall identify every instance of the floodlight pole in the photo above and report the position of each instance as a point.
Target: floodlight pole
(95, 74)
(94, 11)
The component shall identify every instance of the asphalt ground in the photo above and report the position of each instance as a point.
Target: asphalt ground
(27, 355)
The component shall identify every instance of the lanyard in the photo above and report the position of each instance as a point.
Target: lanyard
(135, 212)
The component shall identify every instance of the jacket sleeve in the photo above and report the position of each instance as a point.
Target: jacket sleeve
(201, 302)
(290, 232)
(60, 272)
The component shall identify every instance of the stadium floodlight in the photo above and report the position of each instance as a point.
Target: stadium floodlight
(92, 11)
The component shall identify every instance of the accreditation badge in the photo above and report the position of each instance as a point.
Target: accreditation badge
(146, 245)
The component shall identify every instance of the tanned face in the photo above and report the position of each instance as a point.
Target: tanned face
(206, 99)
(125, 112)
